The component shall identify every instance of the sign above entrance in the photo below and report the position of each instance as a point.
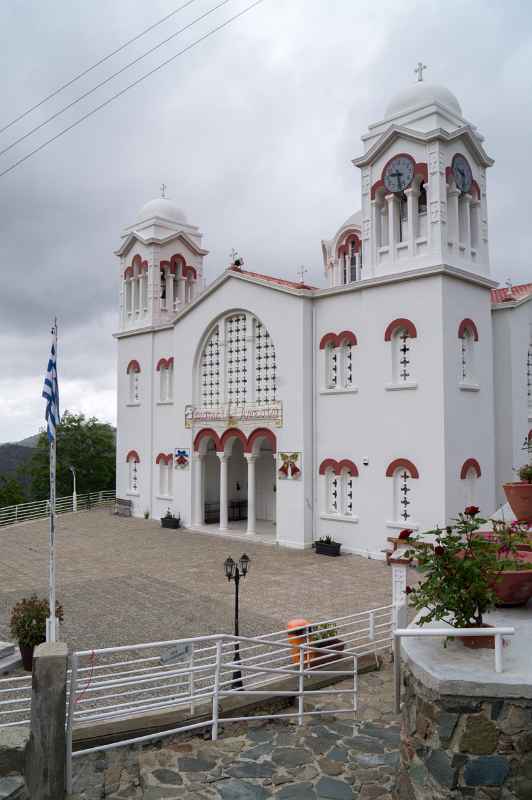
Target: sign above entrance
(231, 414)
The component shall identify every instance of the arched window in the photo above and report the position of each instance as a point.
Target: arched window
(401, 334)
(164, 462)
(339, 495)
(133, 460)
(469, 474)
(467, 336)
(136, 288)
(165, 368)
(241, 370)
(338, 352)
(381, 219)
(403, 217)
(133, 372)
(403, 472)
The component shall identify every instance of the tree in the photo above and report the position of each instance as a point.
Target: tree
(11, 492)
(86, 444)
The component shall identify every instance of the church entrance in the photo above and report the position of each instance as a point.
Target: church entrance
(234, 483)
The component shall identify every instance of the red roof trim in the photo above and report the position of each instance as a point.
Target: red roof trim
(507, 294)
(271, 279)
(402, 323)
(470, 463)
(402, 463)
(468, 325)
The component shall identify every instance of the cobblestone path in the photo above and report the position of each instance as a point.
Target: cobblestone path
(328, 757)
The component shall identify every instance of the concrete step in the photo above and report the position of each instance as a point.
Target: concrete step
(11, 662)
(6, 649)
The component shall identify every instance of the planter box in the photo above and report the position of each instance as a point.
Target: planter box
(328, 549)
(519, 495)
(170, 522)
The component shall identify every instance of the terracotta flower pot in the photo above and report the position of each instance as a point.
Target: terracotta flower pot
(519, 495)
(26, 652)
(297, 635)
(514, 587)
(478, 642)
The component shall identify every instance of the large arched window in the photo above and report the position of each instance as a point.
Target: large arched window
(238, 362)
(133, 386)
(133, 460)
(467, 337)
(339, 487)
(164, 461)
(401, 334)
(338, 365)
(469, 474)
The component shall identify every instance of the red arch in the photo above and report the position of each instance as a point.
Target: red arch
(344, 246)
(136, 262)
(233, 433)
(162, 364)
(348, 465)
(470, 463)
(346, 337)
(189, 272)
(468, 325)
(133, 366)
(402, 323)
(166, 458)
(133, 456)
(329, 463)
(261, 433)
(402, 463)
(207, 433)
(327, 339)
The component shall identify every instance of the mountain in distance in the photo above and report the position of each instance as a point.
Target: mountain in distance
(30, 441)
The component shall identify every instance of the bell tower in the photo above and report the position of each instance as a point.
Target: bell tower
(161, 265)
(423, 185)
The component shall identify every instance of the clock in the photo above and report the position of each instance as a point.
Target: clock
(399, 173)
(462, 173)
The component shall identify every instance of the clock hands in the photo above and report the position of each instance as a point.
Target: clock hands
(397, 175)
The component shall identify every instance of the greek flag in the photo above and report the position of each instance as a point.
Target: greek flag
(50, 393)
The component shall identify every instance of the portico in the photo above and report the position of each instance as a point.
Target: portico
(234, 480)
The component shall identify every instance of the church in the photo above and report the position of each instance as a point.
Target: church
(389, 399)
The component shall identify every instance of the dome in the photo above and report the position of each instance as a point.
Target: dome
(422, 94)
(162, 207)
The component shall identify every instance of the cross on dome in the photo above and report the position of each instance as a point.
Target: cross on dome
(163, 189)
(419, 70)
(301, 272)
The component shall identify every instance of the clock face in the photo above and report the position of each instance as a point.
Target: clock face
(462, 173)
(399, 173)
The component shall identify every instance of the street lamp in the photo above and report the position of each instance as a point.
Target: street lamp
(74, 495)
(233, 572)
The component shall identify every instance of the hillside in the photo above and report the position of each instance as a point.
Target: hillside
(12, 456)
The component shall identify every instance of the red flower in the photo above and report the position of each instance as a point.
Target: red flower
(439, 550)
(406, 534)
(408, 590)
(471, 511)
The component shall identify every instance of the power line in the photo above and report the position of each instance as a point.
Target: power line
(130, 86)
(110, 78)
(97, 64)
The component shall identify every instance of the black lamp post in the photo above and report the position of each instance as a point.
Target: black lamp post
(233, 572)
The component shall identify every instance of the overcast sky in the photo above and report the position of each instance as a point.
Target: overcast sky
(252, 131)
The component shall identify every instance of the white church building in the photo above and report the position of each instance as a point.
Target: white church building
(390, 399)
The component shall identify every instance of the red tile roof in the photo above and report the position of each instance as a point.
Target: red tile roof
(506, 295)
(271, 279)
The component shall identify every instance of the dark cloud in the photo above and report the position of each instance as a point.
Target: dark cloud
(253, 132)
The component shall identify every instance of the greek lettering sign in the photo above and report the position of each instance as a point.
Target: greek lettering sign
(175, 653)
(235, 413)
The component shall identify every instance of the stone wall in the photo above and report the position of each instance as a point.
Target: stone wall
(458, 747)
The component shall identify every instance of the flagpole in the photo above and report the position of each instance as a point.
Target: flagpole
(51, 622)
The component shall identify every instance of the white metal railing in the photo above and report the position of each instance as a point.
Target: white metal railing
(399, 633)
(123, 682)
(15, 701)
(25, 512)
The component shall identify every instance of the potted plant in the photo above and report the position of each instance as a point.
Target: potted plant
(459, 575)
(326, 546)
(28, 625)
(325, 635)
(513, 584)
(170, 521)
(519, 494)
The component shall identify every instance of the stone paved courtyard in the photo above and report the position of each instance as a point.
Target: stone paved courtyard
(124, 581)
(328, 758)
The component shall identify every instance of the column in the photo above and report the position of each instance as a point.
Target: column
(197, 489)
(376, 235)
(252, 513)
(224, 458)
(181, 290)
(454, 224)
(475, 224)
(393, 221)
(466, 202)
(411, 210)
